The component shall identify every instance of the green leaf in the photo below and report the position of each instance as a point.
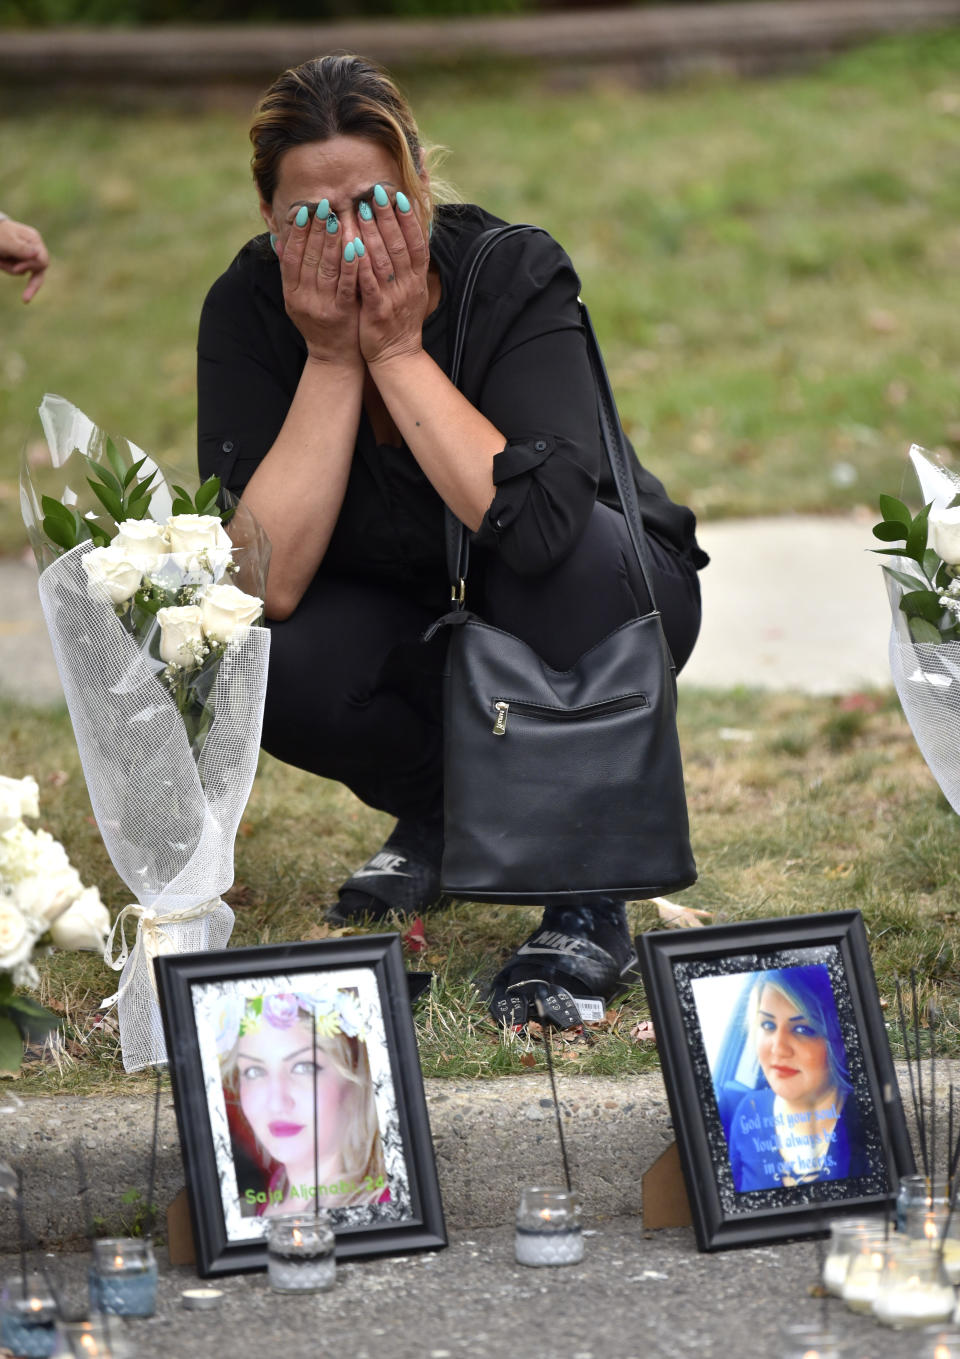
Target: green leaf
(183, 494)
(115, 459)
(11, 1045)
(954, 503)
(142, 491)
(923, 631)
(889, 532)
(33, 1021)
(98, 533)
(132, 472)
(6, 987)
(930, 563)
(922, 604)
(891, 551)
(895, 511)
(182, 507)
(901, 577)
(207, 494)
(917, 537)
(111, 502)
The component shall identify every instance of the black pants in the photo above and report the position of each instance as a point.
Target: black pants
(354, 695)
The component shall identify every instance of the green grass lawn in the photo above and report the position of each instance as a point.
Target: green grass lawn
(781, 825)
(770, 264)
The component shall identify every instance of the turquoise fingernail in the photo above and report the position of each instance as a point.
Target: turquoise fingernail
(348, 252)
(380, 194)
(302, 215)
(323, 209)
(273, 242)
(332, 223)
(366, 212)
(361, 249)
(403, 202)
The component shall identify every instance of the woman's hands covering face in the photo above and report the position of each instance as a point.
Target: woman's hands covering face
(354, 296)
(394, 295)
(320, 286)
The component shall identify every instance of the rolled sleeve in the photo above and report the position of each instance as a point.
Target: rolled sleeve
(537, 513)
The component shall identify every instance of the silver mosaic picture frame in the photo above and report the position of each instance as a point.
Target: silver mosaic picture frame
(224, 1008)
(755, 1169)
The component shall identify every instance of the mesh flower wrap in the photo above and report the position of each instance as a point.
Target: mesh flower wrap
(168, 812)
(926, 675)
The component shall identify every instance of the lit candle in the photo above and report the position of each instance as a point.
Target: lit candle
(27, 1318)
(93, 1339)
(863, 1276)
(914, 1290)
(806, 1340)
(123, 1277)
(300, 1254)
(548, 1228)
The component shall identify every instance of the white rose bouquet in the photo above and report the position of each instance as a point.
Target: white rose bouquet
(41, 898)
(923, 586)
(153, 601)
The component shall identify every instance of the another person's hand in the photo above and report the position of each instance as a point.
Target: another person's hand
(320, 287)
(22, 251)
(394, 290)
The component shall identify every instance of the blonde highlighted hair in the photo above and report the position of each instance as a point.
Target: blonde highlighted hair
(343, 96)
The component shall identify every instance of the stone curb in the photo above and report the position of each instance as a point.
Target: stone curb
(651, 42)
(490, 1137)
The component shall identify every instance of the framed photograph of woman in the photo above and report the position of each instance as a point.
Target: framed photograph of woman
(779, 1074)
(297, 1083)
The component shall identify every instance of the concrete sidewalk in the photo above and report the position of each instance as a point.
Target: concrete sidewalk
(789, 603)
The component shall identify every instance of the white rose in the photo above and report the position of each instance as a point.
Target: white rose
(47, 895)
(193, 533)
(16, 936)
(181, 635)
(143, 541)
(944, 530)
(111, 574)
(18, 798)
(227, 611)
(85, 924)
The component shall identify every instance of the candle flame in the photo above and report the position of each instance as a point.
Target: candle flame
(812, 1354)
(36, 1305)
(297, 1237)
(118, 1262)
(941, 1352)
(546, 1214)
(876, 1261)
(930, 1229)
(89, 1344)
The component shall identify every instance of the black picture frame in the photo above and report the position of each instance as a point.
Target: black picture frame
(207, 997)
(731, 1135)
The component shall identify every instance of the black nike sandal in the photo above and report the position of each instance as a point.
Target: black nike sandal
(402, 878)
(573, 978)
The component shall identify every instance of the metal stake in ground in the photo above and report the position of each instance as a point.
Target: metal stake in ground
(547, 1047)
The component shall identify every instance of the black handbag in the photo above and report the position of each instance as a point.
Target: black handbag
(559, 784)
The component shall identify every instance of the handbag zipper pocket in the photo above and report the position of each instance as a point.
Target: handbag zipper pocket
(503, 707)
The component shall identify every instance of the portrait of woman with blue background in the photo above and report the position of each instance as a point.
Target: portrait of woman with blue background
(779, 1071)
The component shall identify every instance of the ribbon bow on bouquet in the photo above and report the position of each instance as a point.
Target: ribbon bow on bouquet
(923, 586)
(152, 603)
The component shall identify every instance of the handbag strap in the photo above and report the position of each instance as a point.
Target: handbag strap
(457, 537)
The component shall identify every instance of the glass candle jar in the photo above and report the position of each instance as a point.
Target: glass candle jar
(914, 1290)
(98, 1338)
(123, 1276)
(548, 1227)
(868, 1253)
(917, 1197)
(808, 1340)
(27, 1317)
(300, 1254)
(844, 1232)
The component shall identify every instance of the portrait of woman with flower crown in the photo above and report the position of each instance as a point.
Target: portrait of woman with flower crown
(300, 1102)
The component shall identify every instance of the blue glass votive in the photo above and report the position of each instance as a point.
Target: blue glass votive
(123, 1277)
(27, 1319)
